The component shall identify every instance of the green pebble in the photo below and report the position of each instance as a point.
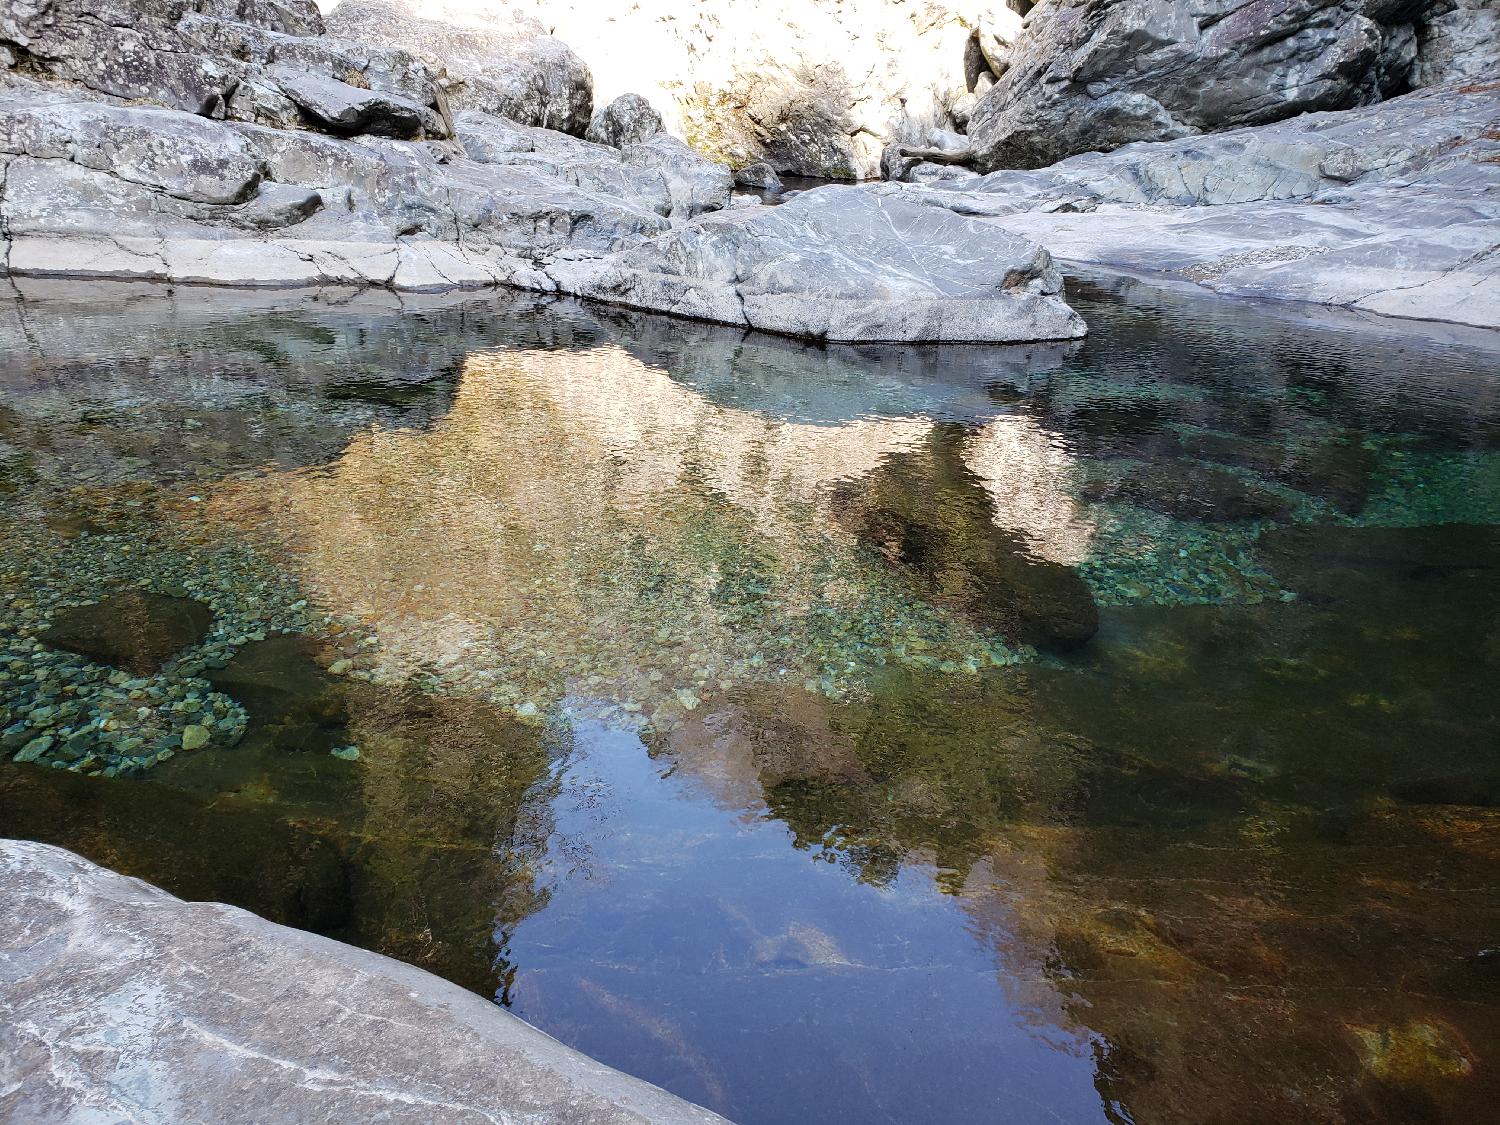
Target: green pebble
(35, 749)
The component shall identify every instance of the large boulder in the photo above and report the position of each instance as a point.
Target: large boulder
(845, 264)
(120, 1002)
(127, 48)
(176, 154)
(627, 120)
(491, 140)
(503, 64)
(1092, 75)
(342, 108)
(1458, 42)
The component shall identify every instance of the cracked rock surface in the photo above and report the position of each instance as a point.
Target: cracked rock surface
(120, 1002)
(1088, 75)
(1392, 208)
(207, 143)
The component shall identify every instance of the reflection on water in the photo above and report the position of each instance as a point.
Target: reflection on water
(1090, 732)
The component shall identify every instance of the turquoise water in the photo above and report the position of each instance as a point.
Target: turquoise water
(1102, 731)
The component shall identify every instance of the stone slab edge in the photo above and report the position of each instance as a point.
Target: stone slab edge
(436, 267)
(120, 1002)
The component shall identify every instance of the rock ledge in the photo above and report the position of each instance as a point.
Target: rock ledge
(120, 1002)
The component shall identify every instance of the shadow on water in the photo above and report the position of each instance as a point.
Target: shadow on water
(1089, 732)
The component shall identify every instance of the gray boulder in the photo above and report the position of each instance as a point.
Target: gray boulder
(1090, 75)
(844, 264)
(628, 120)
(127, 48)
(176, 154)
(120, 1002)
(662, 185)
(760, 176)
(694, 183)
(506, 65)
(1459, 42)
(342, 108)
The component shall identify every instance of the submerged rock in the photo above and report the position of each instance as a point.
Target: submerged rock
(1190, 492)
(1333, 562)
(134, 630)
(298, 705)
(928, 514)
(1340, 471)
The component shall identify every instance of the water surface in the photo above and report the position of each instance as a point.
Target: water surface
(1089, 732)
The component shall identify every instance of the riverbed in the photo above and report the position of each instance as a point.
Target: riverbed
(1098, 731)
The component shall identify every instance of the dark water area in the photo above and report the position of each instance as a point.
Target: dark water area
(1092, 732)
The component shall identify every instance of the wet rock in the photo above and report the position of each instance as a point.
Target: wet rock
(1190, 492)
(628, 120)
(134, 630)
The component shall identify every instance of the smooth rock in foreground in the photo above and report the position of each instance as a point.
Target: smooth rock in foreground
(120, 1002)
(844, 263)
